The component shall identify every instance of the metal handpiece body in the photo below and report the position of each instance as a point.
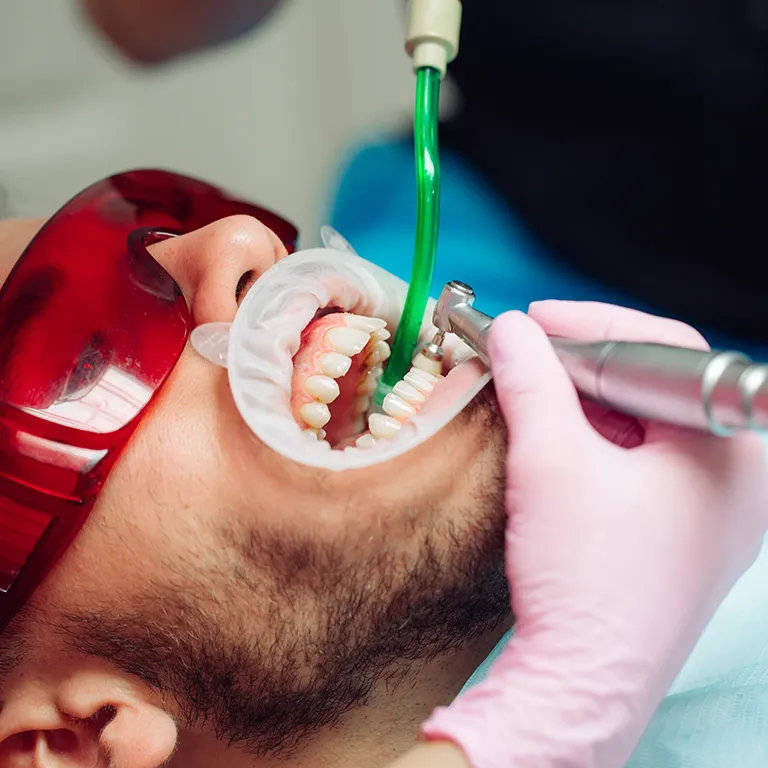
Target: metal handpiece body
(718, 392)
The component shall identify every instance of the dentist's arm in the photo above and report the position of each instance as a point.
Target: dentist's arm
(153, 31)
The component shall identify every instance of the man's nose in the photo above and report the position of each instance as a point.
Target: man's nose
(214, 266)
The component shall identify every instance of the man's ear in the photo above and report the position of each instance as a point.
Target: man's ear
(84, 718)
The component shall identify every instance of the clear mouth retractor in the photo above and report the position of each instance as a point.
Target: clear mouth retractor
(257, 350)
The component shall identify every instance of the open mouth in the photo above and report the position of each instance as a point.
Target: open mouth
(340, 360)
(305, 354)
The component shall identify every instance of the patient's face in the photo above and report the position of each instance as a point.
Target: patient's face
(252, 592)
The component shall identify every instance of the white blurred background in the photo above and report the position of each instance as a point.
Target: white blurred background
(269, 117)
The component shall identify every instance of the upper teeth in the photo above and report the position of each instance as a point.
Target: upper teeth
(334, 364)
(369, 382)
(369, 335)
(316, 415)
(347, 341)
(322, 388)
(380, 353)
(371, 325)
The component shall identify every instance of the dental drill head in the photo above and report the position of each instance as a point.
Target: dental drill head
(454, 314)
(455, 296)
(259, 347)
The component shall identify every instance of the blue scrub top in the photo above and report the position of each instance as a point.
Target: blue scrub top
(716, 713)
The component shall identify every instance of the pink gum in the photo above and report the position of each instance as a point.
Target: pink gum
(306, 363)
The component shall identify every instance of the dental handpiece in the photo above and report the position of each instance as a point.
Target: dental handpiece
(717, 392)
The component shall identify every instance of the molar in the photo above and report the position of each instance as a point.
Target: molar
(358, 424)
(379, 353)
(370, 381)
(365, 441)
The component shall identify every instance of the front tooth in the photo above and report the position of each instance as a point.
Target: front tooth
(368, 324)
(316, 415)
(382, 426)
(396, 407)
(365, 441)
(423, 381)
(322, 388)
(363, 403)
(379, 353)
(408, 393)
(348, 341)
(334, 364)
(381, 335)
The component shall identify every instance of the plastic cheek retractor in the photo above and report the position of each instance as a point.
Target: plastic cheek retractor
(258, 348)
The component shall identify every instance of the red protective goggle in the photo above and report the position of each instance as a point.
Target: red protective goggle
(91, 326)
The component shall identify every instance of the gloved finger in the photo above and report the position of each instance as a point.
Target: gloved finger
(595, 321)
(537, 398)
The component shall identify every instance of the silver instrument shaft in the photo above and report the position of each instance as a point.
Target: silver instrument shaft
(718, 392)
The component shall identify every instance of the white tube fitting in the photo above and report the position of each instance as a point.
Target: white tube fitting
(432, 37)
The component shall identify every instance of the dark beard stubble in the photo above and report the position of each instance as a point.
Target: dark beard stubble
(330, 630)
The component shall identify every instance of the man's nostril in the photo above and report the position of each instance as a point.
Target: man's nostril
(243, 285)
(62, 741)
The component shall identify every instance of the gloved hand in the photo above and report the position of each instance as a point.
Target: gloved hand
(623, 538)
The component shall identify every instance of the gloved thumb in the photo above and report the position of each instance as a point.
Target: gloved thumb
(537, 398)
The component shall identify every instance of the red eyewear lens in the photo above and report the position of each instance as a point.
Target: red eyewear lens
(91, 326)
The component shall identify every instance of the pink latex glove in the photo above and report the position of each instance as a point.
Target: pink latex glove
(617, 556)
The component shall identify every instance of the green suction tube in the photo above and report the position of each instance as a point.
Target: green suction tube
(426, 119)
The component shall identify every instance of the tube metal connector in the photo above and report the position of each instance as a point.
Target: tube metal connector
(433, 32)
